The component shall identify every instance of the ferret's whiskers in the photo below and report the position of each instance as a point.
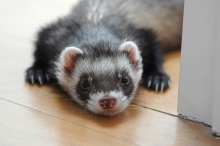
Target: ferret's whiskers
(126, 112)
(135, 107)
(69, 99)
(48, 94)
(132, 108)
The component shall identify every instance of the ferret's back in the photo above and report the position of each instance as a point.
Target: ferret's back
(163, 16)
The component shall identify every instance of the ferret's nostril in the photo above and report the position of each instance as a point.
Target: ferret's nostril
(107, 103)
(112, 103)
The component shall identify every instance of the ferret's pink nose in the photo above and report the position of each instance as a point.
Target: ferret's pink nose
(107, 103)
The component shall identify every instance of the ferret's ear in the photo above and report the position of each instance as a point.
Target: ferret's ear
(69, 56)
(131, 49)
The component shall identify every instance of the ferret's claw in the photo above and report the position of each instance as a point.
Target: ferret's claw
(162, 87)
(32, 79)
(157, 87)
(40, 80)
(48, 79)
(149, 83)
(169, 83)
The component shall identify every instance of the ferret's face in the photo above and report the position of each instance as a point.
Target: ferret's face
(103, 84)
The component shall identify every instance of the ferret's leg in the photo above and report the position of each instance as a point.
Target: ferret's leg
(153, 77)
(38, 73)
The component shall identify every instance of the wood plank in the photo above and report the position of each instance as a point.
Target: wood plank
(140, 127)
(26, 127)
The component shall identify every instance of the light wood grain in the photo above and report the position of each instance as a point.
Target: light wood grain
(23, 126)
(34, 115)
(138, 126)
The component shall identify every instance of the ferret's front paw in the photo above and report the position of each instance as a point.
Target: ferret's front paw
(156, 81)
(37, 76)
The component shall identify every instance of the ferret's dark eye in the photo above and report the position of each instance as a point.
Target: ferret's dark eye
(85, 84)
(125, 80)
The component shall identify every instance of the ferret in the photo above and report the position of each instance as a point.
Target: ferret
(102, 50)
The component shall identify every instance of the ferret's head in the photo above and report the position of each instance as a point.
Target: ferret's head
(100, 78)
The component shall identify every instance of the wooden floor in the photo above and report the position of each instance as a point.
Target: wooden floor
(38, 116)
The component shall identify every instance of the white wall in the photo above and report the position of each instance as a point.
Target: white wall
(216, 103)
(199, 90)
